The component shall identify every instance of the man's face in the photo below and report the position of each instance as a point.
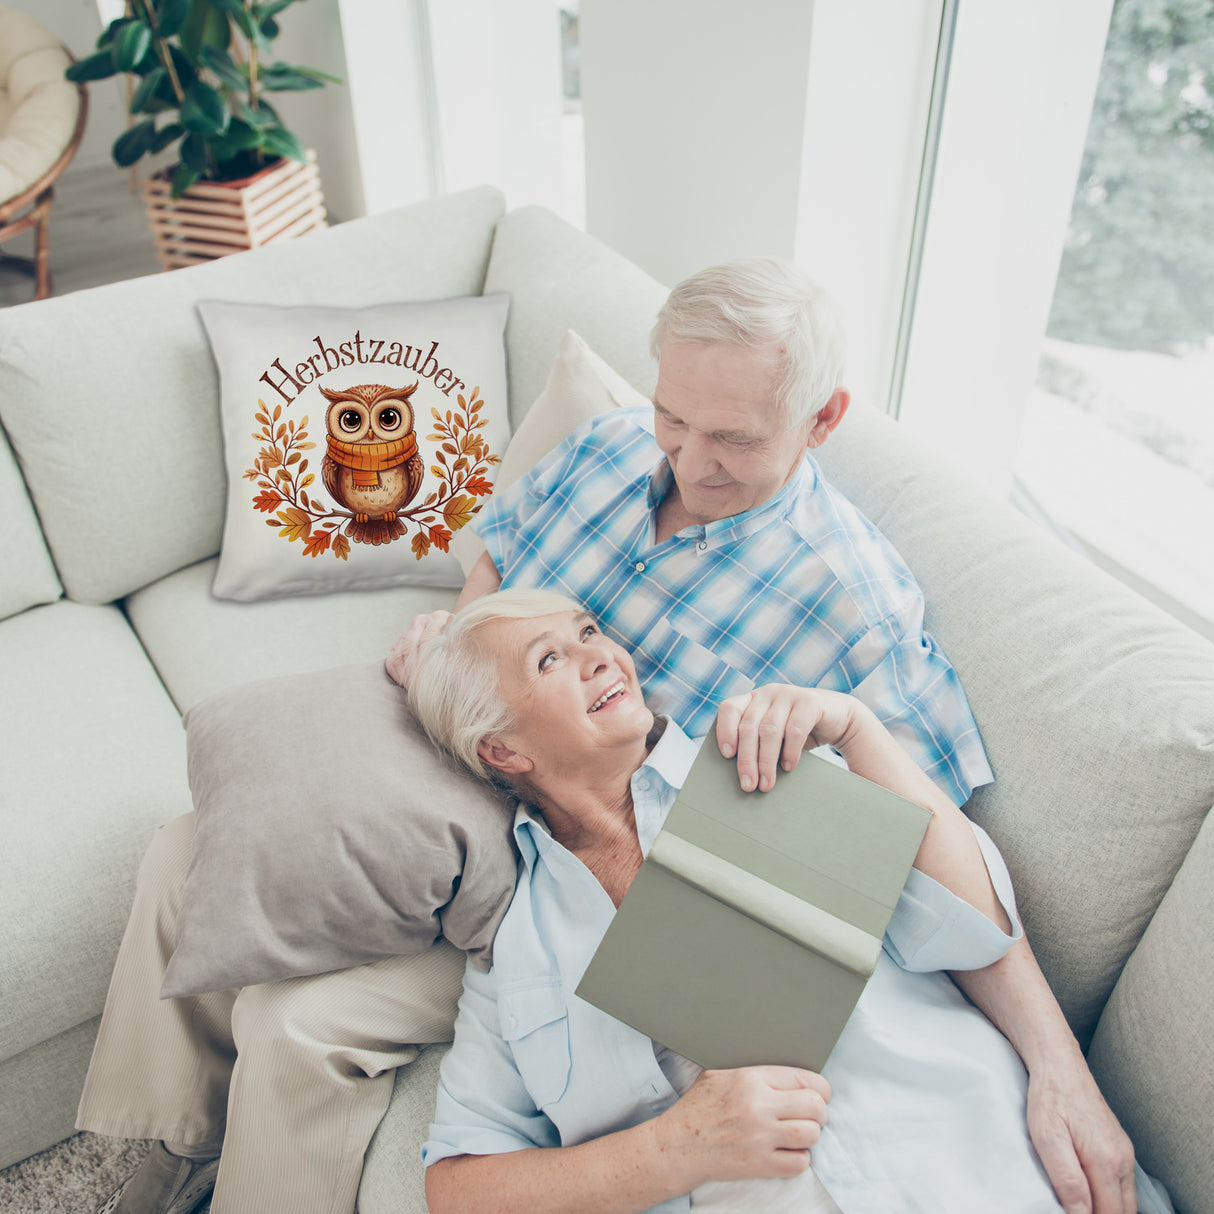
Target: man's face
(716, 419)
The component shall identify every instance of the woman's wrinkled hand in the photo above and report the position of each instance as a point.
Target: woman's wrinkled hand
(402, 659)
(757, 1121)
(768, 728)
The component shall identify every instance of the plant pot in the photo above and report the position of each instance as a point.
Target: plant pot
(215, 218)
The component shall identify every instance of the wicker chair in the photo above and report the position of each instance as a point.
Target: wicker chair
(42, 118)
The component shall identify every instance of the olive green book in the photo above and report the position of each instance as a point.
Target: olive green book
(755, 921)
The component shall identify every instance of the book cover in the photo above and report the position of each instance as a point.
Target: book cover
(755, 921)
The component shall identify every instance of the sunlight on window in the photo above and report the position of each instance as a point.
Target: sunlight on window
(1118, 441)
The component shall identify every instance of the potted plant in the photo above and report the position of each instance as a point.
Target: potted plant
(201, 71)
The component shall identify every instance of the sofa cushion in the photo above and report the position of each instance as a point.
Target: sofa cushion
(397, 412)
(559, 278)
(202, 645)
(29, 574)
(128, 476)
(93, 760)
(1096, 709)
(1152, 1054)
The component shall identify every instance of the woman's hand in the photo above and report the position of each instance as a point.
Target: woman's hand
(401, 660)
(755, 1121)
(770, 727)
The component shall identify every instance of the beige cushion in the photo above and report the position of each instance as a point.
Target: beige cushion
(38, 107)
(1096, 710)
(29, 575)
(1153, 1053)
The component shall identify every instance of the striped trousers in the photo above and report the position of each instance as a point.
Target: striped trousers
(292, 1076)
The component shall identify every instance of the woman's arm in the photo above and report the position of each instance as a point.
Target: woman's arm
(769, 727)
(730, 1125)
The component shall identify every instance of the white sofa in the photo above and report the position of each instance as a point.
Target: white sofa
(1097, 711)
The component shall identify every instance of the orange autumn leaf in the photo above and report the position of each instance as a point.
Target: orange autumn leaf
(317, 544)
(478, 485)
(458, 511)
(266, 500)
(341, 547)
(421, 544)
(440, 537)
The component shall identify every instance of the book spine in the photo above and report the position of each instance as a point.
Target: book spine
(802, 922)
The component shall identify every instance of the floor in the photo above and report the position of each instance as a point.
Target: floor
(98, 234)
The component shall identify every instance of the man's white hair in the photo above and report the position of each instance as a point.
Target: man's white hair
(763, 303)
(455, 692)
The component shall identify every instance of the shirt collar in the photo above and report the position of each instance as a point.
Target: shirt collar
(737, 526)
(655, 785)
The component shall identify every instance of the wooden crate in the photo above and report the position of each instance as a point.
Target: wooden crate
(215, 218)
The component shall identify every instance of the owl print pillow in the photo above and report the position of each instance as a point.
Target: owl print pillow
(357, 441)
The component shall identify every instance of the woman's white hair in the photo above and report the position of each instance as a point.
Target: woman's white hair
(454, 691)
(763, 303)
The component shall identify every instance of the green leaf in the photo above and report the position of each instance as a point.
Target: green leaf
(95, 67)
(279, 77)
(281, 142)
(187, 73)
(236, 11)
(270, 9)
(106, 39)
(241, 137)
(144, 97)
(268, 28)
(171, 16)
(262, 118)
(166, 135)
(203, 111)
(194, 154)
(131, 44)
(131, 144)
(225, 67)
(183, 178)
(205, 26)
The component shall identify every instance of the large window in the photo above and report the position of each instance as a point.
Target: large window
(1117, 444)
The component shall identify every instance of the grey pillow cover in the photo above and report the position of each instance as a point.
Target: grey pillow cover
(330, 833)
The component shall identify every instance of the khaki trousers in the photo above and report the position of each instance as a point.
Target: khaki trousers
(293, 1076)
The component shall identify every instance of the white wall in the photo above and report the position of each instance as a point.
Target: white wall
(694, 125)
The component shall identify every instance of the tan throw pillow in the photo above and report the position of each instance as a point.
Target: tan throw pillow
(330, 833)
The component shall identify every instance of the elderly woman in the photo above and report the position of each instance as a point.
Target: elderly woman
(547, 1103)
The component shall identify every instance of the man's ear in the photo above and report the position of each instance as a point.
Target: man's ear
(829, 416)
(496, 754)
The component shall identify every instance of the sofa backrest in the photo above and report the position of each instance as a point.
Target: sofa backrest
(29, 574)
(128, 477)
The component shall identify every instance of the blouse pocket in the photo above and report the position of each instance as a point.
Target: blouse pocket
(535, 1023)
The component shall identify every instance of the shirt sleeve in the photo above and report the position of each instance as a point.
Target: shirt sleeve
(503, 519)
(933, 929)
(483, 1107)
(906, 679)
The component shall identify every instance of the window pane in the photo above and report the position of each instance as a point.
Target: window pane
(1118, 441)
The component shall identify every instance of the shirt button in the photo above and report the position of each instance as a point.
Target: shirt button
(639, 566)
(702, 545)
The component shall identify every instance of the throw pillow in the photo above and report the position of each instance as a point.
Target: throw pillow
(329, 833)
(357, 442)
(580, 386)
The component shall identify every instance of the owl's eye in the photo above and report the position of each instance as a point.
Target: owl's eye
(388, 419)
(350, 420)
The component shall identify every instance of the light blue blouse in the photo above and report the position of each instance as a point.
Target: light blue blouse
(928, 1104)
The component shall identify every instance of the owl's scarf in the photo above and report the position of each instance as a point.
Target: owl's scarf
(368, 460)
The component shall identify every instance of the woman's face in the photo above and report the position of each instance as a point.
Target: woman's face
(573, 692)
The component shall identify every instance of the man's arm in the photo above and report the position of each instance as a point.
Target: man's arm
(1087, 1155)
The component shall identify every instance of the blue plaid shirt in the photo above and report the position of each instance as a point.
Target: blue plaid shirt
(802, 589)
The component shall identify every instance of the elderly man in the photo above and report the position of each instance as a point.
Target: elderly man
(704, 538)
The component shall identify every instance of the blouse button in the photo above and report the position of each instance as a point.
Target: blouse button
(639, 566)
(702, 545)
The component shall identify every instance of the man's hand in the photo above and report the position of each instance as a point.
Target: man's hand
(770, 727)
(1087, 1155)
(400, 661)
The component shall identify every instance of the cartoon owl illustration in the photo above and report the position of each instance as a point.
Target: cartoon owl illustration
(372, 466)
